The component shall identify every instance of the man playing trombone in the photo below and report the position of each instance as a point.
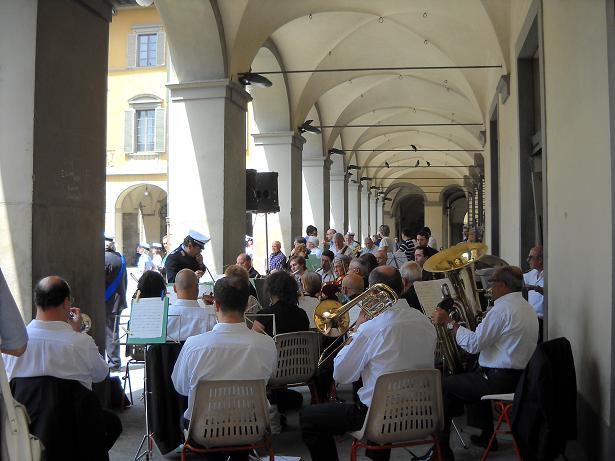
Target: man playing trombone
(400, 338)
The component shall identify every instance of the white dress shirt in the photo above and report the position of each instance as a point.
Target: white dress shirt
(389, 243)
(229, 351)
(535, 277)
(308, 304)
(55, 349)
(401, 338)
(187, 318)
(326, 276)
(507, 336)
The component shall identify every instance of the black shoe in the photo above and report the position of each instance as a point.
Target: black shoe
(483, 440)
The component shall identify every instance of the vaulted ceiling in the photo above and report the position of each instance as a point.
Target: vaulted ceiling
(441, 106)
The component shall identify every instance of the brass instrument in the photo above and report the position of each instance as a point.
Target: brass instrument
(332, 318)
(86, 322)
(457, 262)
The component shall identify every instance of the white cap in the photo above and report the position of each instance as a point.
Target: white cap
(144, 245)
(156, 245)
(109, 238)
(199, 239)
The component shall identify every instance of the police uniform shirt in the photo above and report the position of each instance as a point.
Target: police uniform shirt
(229, 351)
(187, 318)
(55, 349)
(177, 260)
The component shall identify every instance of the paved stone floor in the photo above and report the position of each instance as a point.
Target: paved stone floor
(289, 441)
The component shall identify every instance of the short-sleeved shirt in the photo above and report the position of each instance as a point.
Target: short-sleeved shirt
(288, 318)
(187, 318)
(55, 349)
(229, 351)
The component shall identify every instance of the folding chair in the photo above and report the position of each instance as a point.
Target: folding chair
(406, 410)
(137, 357)
(503, 403)
(297, 361)
(228, 416)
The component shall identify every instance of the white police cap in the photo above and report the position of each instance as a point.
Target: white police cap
(144, 245)
(199, 239)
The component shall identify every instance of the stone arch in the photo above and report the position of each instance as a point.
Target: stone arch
(140, 215)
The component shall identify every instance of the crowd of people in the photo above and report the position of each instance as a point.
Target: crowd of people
(218, 342)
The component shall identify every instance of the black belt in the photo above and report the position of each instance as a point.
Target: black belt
(486, 371)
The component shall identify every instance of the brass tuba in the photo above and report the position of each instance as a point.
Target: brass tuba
(457, 263)
(332, 318)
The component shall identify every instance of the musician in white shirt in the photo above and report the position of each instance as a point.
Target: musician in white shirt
(230, 350)
(57, 348)
(400, 338)
(186, 317)
(535, 282)
(505, 339)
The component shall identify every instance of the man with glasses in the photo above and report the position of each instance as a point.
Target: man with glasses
(187, 256)
(534, 283)
(505, 339)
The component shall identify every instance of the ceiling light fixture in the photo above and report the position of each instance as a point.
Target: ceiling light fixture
(249, 78)
(334, 150)
(307, 127)
(395, 125)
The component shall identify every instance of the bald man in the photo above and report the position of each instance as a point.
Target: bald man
(186, 317)
(277, 259)
(57, 348)
(245, 260)
(411, 272)
(352, 286)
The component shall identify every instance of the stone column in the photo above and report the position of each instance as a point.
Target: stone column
(207, 162)
(339, 196)
(282, 152)
(365, 229)
(373, 210)
(380, 214)
(316, 195)
(433, 219)
(52, 163)
(354, 209)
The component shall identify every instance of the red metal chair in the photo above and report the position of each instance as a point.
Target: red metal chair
(406, 410)
(503, 403)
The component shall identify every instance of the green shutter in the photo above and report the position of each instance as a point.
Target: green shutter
(129, 131)
(131, 50)
(160, 121)
(160, 48)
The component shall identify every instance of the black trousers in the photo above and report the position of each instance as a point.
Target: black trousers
(113, 428)
(320, 423)
(468, 388)
(112, 343)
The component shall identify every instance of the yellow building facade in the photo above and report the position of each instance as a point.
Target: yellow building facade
(136, 179)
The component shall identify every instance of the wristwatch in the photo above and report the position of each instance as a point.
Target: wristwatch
(450, 325)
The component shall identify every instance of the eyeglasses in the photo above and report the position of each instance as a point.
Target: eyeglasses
(530, 257)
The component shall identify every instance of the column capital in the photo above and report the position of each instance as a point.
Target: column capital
(278, 138)
(210, 89)
(354, 186)
(433, 203)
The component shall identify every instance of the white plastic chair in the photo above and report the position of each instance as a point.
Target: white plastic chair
(503, 403)
(406, 410)
(228, 416)
(297, 360)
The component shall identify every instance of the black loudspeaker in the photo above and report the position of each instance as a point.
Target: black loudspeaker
(251, 200)
(267, 192)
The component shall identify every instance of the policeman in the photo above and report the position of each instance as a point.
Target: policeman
(115, 300)
(187, 256)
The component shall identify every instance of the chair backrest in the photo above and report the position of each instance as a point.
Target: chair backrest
(229, 413)
(406, 405)
(297, 358)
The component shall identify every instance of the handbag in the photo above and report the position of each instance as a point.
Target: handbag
(17, 442)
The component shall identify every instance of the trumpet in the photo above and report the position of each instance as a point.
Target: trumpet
(86, 322)
(333, 320)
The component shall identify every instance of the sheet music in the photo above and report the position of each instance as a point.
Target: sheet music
(430, 293)
(147, 317)
(205, 288)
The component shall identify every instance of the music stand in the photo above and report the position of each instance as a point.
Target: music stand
(397, 259)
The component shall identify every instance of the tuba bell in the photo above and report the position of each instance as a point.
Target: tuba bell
(464, 306)
(333, 320)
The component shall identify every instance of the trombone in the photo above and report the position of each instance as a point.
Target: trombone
(332, 319)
